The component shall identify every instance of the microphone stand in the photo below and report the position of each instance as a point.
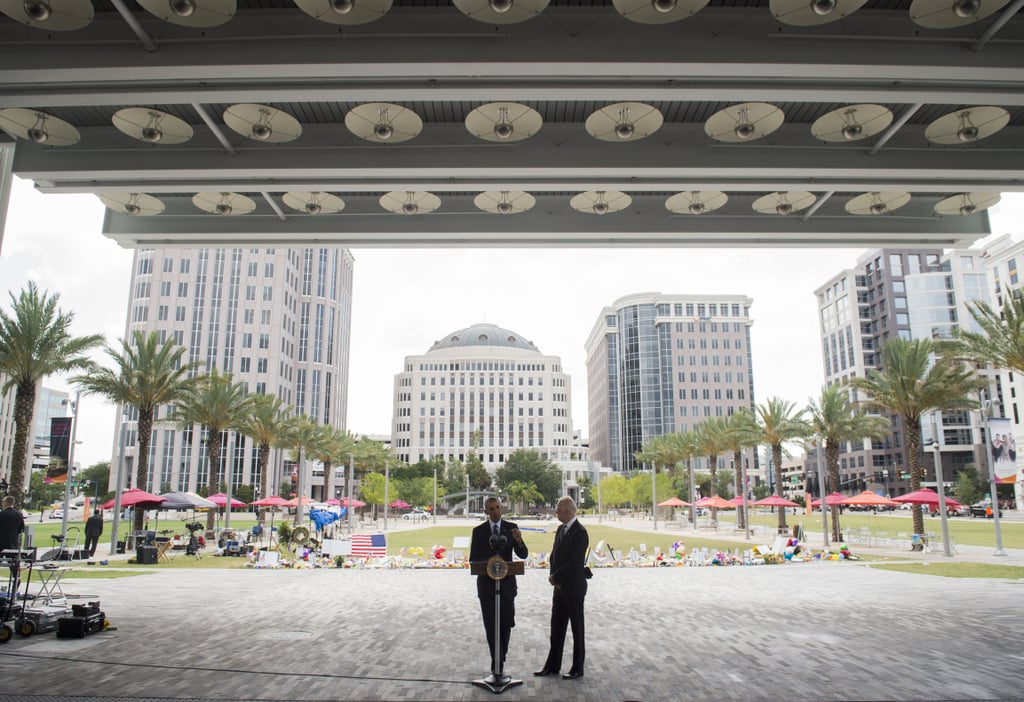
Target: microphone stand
(497, 682)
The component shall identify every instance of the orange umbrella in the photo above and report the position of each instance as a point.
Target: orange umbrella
(294, 502)
(715, 501)
(869, 499)
(673, 502)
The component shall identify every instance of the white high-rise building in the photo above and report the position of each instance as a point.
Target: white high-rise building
(277, 319)
(487, 386)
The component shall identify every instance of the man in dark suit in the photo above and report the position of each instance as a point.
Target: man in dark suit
(496, 537)
(12, 525)
(569, 579)
(93, 531)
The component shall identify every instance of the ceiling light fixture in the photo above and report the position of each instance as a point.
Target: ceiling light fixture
(696, 204)
(224, 206)
(37, 132)
(967, 131)
(132, 204)
(342, 7)
(182, 8)
(410, 206)
(966, 8)
(503, 128)
(600, 207)
(783, 208)
(965, 204)
(783, 203)
(500, 6)
(823, 7)
(851, 128)
(744, 128)
(262, 129)
(38, 10)
(624, 129)
(131, 208)
(504, 206)
(152, 132)
(313, 206)
(663, 6)
(383, 129)
(877, 206)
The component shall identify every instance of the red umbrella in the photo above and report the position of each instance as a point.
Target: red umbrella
(355, 503)
(333, 502)
(673, 502)
(926, 496)
(220, 499)
(836, 498)
(294, 502)
(869, 499)
(399, 504)
(272, 501)
(737, 501)
(135, 496)
(775, 501)
(714, 501)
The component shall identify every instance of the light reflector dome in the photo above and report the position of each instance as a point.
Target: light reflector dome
(504, 201)
(808, 13)
(38, 127)
(224, 204)
(784, 203)
(345, 12)
(946, 14)
(852, 123)
(600, 202)
(963, 204)
(658, 11)
(503, 122)
(262, 123)
(696, 202)
(967, 125)
(51, 15)
(876, 204)
(314, 203)
(152, 126)
(501, 11)
(383, 122)
(133, 204)
(748, 121)
(191, 13)
(624, 121)
(410, 202)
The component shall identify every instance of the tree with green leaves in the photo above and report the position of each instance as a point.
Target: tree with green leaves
(615, 490)
(35, 342)
(219, 404)
(301, 436)
(145, 375)
(913, 382)
(371, 487)
(265, 424)
(776, 422)
(532, 468)
(835, 419)
(332, 449)
(1000, 343)
(738, 437)
(522, 493)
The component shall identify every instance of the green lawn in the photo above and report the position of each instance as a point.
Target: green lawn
(956, 570)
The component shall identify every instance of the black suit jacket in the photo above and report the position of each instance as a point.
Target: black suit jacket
(569, 560)
(480, 551)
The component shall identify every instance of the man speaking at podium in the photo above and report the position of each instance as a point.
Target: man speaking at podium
(496, 537)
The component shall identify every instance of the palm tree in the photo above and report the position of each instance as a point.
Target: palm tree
(522, 492)
(146, 374)
(219, 404)
(264, 425)
(738, 436)
(914, 382)
(776, 422)
(35, 341)
(837, 421)
(333, 447)
(711, 441)
(684, 445)
(1001, 340)
(301, 434)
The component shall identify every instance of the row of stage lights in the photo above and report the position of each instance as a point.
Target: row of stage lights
(69, 15)
(506, 202)
(388, 123)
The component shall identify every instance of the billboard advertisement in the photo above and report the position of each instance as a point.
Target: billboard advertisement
(1002, 449)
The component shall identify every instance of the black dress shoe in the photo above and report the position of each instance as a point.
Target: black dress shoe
(572, 675)
(544, 671)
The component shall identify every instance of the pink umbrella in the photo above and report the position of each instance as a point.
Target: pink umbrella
(333, 502)
(399, 504)
(926, 496)
(294, 502)
(714, 501)
(836, 498)
(775, 501)
(272, 501)
(673, 502)
(355, 503)
(737, 501)
(135, 496)
(220, 499)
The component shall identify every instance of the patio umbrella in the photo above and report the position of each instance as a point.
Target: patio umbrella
(135, 496)
(925, 496)
(673, 502)
(399, 504)
(345, 502)
(775, 501)
(737, 501)
(869, 499)
(334, 502)
(185, 500)
(714, 501)
(294, 502)
(272, 501)
(221, 500)
(836, 498)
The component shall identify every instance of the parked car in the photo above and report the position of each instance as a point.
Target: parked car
(982, 509)
(57, 514)
(417, 514)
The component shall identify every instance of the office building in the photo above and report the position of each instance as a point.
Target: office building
(659, 364)
(483, 389)
(277, 319)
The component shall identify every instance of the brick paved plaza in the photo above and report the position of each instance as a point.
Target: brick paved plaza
(812, 631)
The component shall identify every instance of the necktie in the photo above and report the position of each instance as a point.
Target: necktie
(494, 529)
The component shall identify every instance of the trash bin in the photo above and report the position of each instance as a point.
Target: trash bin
(145, 554)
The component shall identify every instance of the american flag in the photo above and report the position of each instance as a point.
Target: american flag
(369, 545)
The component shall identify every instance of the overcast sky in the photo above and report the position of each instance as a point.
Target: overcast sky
(405, 300)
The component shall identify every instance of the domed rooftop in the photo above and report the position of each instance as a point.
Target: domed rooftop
(484, 335)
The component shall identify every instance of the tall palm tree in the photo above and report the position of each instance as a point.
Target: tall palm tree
(1001, 340)
(834, 418)
(301, 435)
(778, 421)
(711, 441)
(914, 382)
(333, 447)
(264, 425)
(146, 374)
(35, 341)
(739, 436)
(684, 445)
(218, 403)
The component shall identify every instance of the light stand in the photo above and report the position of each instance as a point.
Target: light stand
(71, 464)
(821, 489)
(942, 498)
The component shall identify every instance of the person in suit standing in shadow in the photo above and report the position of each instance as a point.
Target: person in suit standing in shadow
(568, 577)
(497, 536)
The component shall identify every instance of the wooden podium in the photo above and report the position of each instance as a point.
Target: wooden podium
(497, 569)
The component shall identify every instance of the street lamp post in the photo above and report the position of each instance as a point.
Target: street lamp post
(693, 509)
(746, 514)
(940, 488)
(986, 406)
(71, 467)
(821, 490)
(654, 496)
(387, 499)
(433, 514)
(348, 486)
